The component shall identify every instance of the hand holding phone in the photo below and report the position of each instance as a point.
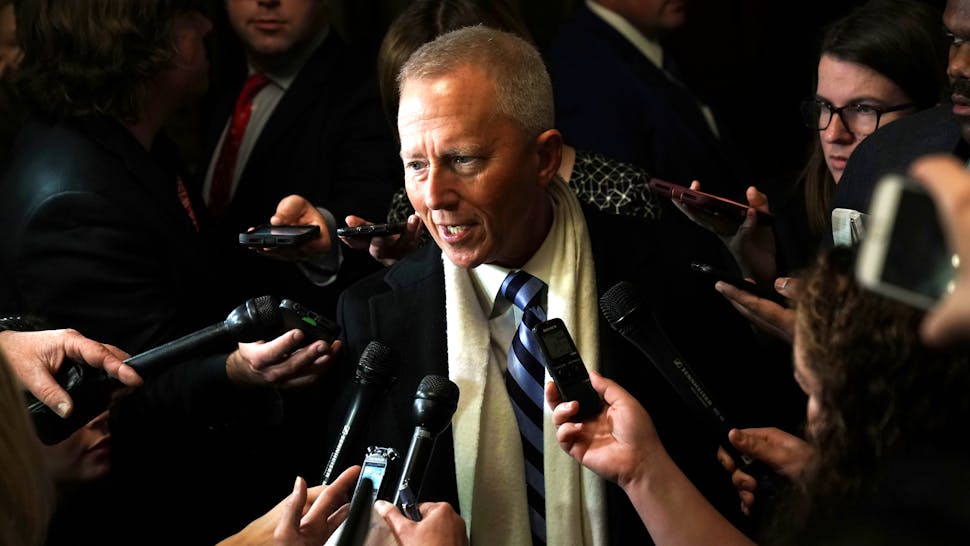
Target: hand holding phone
(566, 368)
(904, 254)
(759, 290)
(288, 236)
(709, 203)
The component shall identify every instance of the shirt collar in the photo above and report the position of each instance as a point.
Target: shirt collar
(284, 75)
(651, 49)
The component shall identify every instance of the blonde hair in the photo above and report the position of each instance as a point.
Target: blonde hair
(26, 492)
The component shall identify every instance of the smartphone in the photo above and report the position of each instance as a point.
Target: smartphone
(314, 325)
(707, 202)
(372, 230)
(759, 290)
(904, 254)
(380, 468)
(566, 368)
(267, 236)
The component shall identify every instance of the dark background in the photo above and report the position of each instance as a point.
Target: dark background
(751, 60)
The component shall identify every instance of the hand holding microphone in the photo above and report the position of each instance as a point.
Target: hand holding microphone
(91, 388)
(626, 311)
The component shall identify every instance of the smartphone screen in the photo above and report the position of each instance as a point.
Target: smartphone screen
(904, 255)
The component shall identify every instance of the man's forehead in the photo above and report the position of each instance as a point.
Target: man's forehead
(956, 17)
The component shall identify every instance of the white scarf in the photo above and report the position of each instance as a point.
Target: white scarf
(490, 471)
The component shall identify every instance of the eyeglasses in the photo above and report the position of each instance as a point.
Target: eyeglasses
(859, 119)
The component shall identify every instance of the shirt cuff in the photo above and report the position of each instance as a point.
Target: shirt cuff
(321, 270)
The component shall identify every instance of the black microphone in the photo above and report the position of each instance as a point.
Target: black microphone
(625, 310)
(434, 403)
(374, 374)
(91, 388)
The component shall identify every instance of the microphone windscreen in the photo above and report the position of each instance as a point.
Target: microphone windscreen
(435, 402)
(438, 387)
(376, 365)
(266, 310)
(619, 301)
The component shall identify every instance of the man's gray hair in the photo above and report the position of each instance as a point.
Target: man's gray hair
(522, 85)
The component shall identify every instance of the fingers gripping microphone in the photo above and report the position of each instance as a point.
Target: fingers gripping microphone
(625, 310)
(434, 403)
(91, 388)
(374, 374)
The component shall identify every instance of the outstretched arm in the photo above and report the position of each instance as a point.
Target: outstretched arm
(620, 444)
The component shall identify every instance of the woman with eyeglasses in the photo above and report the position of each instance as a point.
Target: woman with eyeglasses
(884, 60)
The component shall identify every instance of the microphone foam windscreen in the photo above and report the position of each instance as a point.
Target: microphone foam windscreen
(437, 387)
(267, 310)
(619, 301)
(376, 364)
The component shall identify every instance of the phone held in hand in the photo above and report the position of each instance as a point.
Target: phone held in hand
(566, 368)
(707, 202)
(372, 230)
(268, 236)
(904, 254)
(759, 290)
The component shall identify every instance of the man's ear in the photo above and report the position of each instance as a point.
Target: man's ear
(549, 150)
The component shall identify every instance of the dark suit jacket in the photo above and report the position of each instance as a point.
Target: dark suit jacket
(892, 148)
(404, 308)
(613, 100)
(328, 141)
(97, 240)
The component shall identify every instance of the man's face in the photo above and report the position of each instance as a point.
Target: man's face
(10, 52)
(273, 29)
(956, 19)
(651, 17)
(191, 64)
(475, 178)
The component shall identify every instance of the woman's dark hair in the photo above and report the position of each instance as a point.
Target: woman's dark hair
(423, 21)
(94, 57)
(900, 39)
(885, 396)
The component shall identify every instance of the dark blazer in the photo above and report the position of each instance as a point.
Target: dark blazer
(404, 308)
(328, 141)
(892, 148)
(97, 240)
(612, 100)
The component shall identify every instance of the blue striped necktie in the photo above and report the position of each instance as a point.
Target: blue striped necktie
(525, 380)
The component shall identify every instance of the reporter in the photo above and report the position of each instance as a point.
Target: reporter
(876, 397)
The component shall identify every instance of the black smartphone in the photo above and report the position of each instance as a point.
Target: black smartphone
(380, 468)
(372, 230)
(759, 290)
(904, 254)
(707, 202)
(314, 325)
(566, 368)
(267, 236)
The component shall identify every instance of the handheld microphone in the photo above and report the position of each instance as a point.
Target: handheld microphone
(434, 403)
(624, 309)
(374, 374)
(91, 388)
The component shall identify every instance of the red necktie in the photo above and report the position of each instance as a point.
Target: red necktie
(222, 175)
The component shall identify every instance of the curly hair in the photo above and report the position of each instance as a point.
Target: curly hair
(884, 394)
(94, 57)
